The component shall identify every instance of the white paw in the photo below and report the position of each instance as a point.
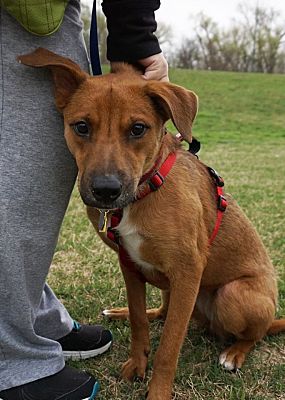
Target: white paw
(228, 365)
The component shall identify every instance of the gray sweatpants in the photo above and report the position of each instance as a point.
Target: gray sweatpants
(37, 175)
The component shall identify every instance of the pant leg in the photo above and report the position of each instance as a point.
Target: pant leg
(37, 175)
(52, 319)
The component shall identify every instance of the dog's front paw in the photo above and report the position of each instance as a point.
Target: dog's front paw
(135, 366)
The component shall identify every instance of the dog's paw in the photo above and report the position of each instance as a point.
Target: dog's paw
(232, 359)
(134, 367)
(154, 397)
(158, 394)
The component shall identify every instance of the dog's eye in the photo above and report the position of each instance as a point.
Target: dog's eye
(138, 130)
(81, 128)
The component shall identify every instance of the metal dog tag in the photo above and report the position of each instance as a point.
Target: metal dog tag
(103, 219)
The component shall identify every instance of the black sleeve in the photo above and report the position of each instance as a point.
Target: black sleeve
(131, 25)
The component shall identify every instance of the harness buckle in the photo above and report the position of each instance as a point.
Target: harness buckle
(156, 181)
(112, 233)
(222, 203)
(217, 178)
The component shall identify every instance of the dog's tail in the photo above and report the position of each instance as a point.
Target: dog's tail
(277, 326)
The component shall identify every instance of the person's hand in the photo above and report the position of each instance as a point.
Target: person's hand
(156, 67)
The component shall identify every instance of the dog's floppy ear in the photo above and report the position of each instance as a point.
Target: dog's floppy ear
(67, 75)
(176, 103)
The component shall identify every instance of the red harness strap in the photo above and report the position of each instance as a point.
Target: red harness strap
(221, 202)
(156, 179)
(153, 182)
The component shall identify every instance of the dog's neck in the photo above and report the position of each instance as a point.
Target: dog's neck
(165, 158)
(168, 145)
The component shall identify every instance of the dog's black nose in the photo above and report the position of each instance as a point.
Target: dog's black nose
(106, 188)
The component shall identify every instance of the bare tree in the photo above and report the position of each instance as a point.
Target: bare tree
(86, 19)
(102, 34)
(188, 55)
(101, 29)
(208, 37)
(253, 43)
(164, 33)
(265, 32)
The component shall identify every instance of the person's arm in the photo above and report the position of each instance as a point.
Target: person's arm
(131, 25)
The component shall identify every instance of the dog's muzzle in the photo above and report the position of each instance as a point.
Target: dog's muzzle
(106, 189)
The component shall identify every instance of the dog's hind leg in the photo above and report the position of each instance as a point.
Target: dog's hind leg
(122, 313)
(242, 308)
(118, 313)
(278, 325)
(233, 357)
(160, 312)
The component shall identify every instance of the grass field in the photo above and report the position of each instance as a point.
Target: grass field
(241, 124)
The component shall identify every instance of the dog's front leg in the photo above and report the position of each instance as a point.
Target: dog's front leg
(140, 343)
(183, 293)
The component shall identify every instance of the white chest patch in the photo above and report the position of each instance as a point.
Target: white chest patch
(131, 240)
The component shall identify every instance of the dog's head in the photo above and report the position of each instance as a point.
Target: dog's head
(114, 124)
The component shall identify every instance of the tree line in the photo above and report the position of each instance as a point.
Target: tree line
(254, 42)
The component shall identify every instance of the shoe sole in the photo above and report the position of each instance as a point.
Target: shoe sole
(86, 398)
(93, 394)
(95, 390)
(83, 355)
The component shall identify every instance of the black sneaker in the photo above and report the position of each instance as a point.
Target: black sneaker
(68, 384)
(85, 341)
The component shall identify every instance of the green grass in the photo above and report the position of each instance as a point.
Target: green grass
(237, 107)
(241, 125)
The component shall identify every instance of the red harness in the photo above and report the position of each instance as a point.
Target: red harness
(153, 181)
(222, 202)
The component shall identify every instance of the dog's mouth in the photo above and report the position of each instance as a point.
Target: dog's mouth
(121, 202)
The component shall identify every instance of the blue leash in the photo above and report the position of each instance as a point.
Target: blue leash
(94, 47)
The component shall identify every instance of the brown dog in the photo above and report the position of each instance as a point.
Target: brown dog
(114, 127)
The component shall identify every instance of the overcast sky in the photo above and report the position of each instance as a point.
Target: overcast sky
(177, 12)
(222, 11)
